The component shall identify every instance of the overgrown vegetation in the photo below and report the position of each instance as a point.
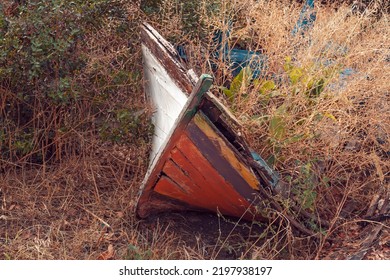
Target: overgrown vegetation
(59, 82)
(74, 127)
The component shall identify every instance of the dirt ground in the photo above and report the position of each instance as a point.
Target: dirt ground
(68, 214)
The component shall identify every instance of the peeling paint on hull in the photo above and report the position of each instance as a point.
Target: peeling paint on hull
(199, 160)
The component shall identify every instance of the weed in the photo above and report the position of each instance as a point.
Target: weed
(74, 127)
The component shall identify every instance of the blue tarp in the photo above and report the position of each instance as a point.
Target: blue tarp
(237, 59)
(306, 20)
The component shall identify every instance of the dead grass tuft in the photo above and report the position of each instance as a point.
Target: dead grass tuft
(331, 149)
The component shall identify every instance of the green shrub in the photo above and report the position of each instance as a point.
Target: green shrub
(47, 86)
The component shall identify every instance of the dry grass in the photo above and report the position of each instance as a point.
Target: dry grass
(83, 205)
(333, 149)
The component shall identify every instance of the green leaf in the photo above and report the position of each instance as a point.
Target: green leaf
(242, 79)
(271, 160)
(295, 138)
(267, 86)
(295, 75)
(315, 88)
(309, 198)
(229, 94)
(288, 65)
(277, 125)
(330, 116)
(237, 83)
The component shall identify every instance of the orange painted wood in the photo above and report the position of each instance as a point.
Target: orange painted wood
(184, 171)
(207, 188)
(166, 186)
(181, 177)
(207, 137)
(186, 115)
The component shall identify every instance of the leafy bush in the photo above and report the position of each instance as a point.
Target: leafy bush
(49, 94)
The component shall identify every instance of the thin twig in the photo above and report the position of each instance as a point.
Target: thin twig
(95, 216)
(293, 222)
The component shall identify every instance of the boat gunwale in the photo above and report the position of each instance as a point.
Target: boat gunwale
(214, 111)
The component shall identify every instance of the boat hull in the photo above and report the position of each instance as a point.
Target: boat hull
(199, 160)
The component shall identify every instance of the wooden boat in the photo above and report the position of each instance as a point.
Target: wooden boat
(199, 160)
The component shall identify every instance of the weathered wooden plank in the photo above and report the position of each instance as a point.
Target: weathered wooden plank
(167, 56)
(186, 115)
(182, 178)
(199, 160)
(159, 203)
(166, 186)
(204, 198)
(157, 51)
(166, 97)
(186, 163)
(222, 155)
(213, 192)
